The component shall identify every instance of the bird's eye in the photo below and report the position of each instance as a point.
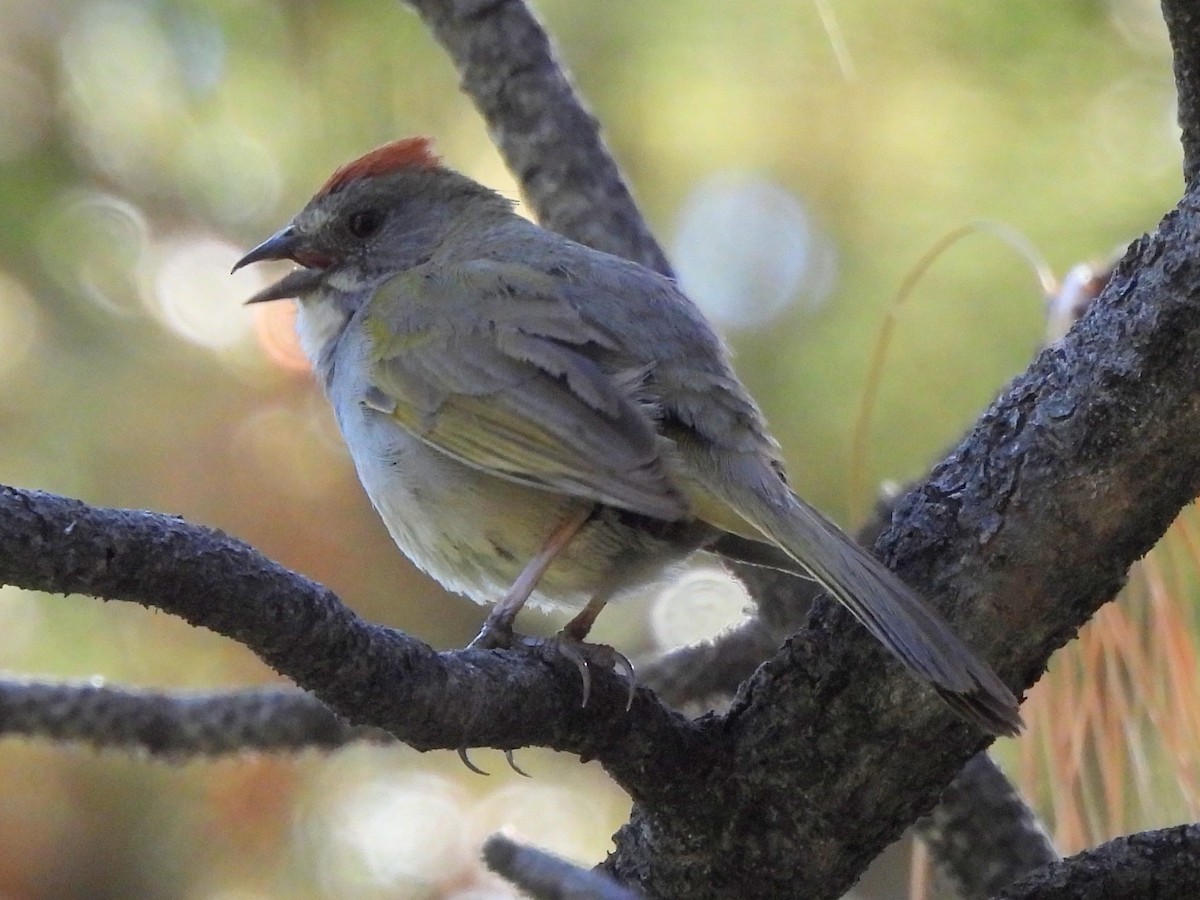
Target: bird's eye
(365, 222)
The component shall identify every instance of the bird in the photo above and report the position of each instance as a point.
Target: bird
(540, 422)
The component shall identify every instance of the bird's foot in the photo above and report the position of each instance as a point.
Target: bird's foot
(584, 656)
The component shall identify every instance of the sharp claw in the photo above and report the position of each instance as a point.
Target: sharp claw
(567, 647)
(512, 764)
(622, 662)
(466, 761)
(574, 649)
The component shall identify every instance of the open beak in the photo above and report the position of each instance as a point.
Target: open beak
(283, 244)
(280, 245)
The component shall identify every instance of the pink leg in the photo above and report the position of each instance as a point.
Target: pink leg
(497, 629)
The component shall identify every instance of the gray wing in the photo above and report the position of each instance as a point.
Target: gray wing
(486, 363)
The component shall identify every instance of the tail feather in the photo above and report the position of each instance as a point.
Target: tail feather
(898, 618)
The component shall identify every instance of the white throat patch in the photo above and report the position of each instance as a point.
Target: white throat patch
(319, 321)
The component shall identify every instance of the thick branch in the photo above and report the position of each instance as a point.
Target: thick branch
(1020, 535)
(981, 835)
(368, 674)
(1162, 864)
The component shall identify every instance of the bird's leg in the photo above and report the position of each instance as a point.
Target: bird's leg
(498, 628)
(579, 626)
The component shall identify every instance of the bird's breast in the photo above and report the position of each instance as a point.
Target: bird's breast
(474, 531)
(471, 531)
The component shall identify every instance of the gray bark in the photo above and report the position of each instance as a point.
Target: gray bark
(1164, 865)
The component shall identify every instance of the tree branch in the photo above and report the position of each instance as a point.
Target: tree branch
(175, 726)
(1160, 864)
(1019, 536)
(546, 135)
(1183, 28)
(982, 835)
(368, 674)
(543, 876)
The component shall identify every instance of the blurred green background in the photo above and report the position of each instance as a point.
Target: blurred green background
(796, 158)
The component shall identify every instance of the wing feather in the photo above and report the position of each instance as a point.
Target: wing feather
(516, 394)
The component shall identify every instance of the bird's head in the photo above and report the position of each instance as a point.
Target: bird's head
(378, 215)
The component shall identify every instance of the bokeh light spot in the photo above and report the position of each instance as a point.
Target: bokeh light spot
(92, 243)
(199, 45)
(701, 603)
(292, 453)
(194, 295)
(393, 830)
(275, 327)
(124, 93)
(745, 250)
(230, 173)
(563, 820)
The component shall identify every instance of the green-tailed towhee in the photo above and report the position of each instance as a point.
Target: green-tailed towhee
(538, 420)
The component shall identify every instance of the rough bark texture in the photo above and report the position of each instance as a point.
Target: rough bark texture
(981, 834)
(369, 674)
(1163, 865)
(1020, 535)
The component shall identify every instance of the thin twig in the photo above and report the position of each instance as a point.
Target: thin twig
(175, 726)
(544, 876)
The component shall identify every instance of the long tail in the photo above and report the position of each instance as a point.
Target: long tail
(897, 617)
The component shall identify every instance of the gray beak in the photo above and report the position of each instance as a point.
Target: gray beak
(283, 244)
(280, 245)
